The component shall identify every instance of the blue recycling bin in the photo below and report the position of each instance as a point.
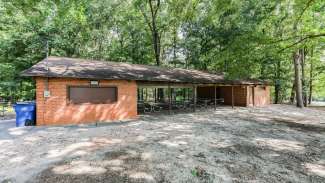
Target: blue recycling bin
(25, 113)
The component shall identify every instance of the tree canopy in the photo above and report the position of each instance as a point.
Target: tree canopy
(242, 39)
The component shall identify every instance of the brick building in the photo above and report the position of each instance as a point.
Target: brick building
(72, 91)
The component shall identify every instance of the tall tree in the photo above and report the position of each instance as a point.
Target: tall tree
(298, 84)
(151, 20)
(242, 39)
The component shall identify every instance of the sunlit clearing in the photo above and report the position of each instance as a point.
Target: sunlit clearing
(18, 131)
(316, 169)
(146, 156)
(178, 127)
(280, 145)
(17, 159)
(184, 136)
(78, 168)
(140, 138)
(141, 175)
(95, 144)
(134, 124)
(100, 140)
(79, 153)
(68, 149)
(114, 162)
(263, 119)
(173, 144)
(221, 144)
(32, 139)
(116, 168)
(5, 142)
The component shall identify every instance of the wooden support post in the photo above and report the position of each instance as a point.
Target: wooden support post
(194, 97)
(215, 97)
(188, 94)
(142, 94)
(232, 97)
(253, 93)
(184, 94)
(169, 100)
(155, 93)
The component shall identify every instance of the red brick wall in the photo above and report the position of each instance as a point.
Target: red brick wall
(244, 95)
(262, 96)
(250, 98)
(240, 95)
(56, 110)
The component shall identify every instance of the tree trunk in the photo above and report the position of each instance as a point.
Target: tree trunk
(311, 77)
(174, 46)
(156, 44)
(293, 92)
(277, 86)
(303, 78)
(152, 24)
(276, 93)
(298, 83)
(154, 29)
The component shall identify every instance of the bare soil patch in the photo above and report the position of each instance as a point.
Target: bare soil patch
(278, 143)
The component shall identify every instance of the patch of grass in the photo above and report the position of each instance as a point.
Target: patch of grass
(194, 173)
(199, 172)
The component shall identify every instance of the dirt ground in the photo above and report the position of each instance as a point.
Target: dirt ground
(278, 143)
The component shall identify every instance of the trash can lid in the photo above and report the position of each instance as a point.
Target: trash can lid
(25, 103)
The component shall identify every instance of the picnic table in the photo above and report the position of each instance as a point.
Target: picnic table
(205, 102)
(149, 106)
(155, 106)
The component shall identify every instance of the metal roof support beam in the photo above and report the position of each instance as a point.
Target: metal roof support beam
(153, 84)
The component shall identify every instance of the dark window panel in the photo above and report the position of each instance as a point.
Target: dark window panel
(93, 95)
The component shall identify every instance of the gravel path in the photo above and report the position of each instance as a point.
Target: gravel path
(278, 143)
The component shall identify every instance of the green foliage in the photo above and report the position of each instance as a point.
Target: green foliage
(243, 39)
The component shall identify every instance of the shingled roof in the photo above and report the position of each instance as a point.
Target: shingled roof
(61, 67)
